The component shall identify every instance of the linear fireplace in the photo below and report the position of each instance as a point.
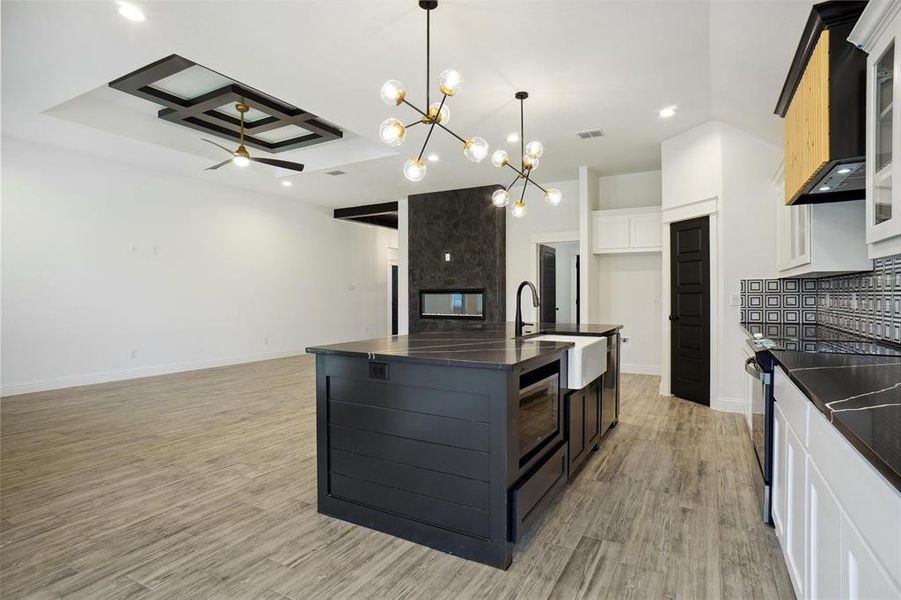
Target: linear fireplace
(452, 304)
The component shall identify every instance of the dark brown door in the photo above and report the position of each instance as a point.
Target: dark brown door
(690, 309)
(547, 259)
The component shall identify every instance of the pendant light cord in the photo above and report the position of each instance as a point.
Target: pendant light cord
(522, 127)
(428, 45)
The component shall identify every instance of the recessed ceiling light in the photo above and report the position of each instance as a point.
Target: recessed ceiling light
(286, 183)
(666, 113)
(513, 137)
(825, 188)
(130, 11)
(432, 157)
(843, 171)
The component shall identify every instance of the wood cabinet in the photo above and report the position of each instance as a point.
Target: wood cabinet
(813, 240)
(836, 518)
(627, 230)
(823, 103)
(583, 421)
(879, 34)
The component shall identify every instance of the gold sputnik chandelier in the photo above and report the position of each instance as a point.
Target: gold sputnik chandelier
(531, 152)
(450, 82)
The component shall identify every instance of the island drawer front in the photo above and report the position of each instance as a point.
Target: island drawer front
(444, 459)
(426, 509)
(542, 482)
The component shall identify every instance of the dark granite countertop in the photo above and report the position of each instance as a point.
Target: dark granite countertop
(493, 346)
(859, 394)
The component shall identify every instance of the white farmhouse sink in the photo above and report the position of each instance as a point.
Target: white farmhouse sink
(586, 361)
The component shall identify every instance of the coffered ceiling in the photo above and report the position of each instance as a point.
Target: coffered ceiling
(586, 64)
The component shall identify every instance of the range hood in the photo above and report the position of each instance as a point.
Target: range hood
(823, 102)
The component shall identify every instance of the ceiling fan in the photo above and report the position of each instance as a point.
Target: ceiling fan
(241, 157)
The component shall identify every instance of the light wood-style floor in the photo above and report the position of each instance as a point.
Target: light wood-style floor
(202, 485)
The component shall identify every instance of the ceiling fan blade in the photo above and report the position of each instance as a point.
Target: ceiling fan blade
(218, 145)
(283, 164)
(222, 164)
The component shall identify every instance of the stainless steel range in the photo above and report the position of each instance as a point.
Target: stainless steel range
(760, 365)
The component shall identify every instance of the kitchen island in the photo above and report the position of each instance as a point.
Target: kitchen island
(456, 439)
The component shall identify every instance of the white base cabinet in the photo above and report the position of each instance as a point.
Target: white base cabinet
(837, 519)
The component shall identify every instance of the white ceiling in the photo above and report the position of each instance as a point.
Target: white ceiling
(586, 64)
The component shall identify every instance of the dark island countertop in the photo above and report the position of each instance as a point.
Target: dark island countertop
(492, 346)
(859, 394)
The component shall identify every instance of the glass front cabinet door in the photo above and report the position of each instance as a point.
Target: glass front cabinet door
(883, 142)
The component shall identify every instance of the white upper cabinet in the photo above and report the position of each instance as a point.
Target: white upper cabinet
(878, 32)
(813, 240)
(627, 230)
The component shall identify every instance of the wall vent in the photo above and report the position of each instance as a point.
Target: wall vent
(336, 173)
(590, 133)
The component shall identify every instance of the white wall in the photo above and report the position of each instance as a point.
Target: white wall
(748, 242)
(630, 285)
(630, 289)
(102, 259)
(630, 190)
(542, 223)
(720, 171)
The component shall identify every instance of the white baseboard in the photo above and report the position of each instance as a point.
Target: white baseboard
(640, 369)
(41, 385)
(733, 405)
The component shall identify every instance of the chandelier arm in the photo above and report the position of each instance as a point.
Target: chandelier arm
(432, 127)
(451, 132)
(416, 122)
(513, 183)
(525, 185)
(532, 181)
(407, 102)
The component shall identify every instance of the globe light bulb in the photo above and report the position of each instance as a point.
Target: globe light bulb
(500, 198)
(553, 196)
(393, 92)
(414, 169)
(392, 132)
(519, 209)
(534, 149)
(450, 82)
(500, 158)
(475, 149)
(443, 116)
(241, 161)
(529, 163)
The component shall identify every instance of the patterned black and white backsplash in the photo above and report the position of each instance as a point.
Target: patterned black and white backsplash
(867, 304)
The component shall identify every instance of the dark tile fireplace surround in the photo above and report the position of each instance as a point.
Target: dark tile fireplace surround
(867, 304)
(457, 244)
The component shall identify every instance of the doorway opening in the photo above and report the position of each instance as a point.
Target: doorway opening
(558, 282)
(690, 309)
(393, 282)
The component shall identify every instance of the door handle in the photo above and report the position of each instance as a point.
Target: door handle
(674, 317)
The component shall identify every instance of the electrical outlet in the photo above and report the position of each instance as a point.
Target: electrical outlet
(351, 287)
(266, 341)
(378, 370)
(133, 354)
(735, 299)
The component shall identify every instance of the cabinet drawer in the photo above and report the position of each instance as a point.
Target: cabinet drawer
(542, 483)
(795, 405)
